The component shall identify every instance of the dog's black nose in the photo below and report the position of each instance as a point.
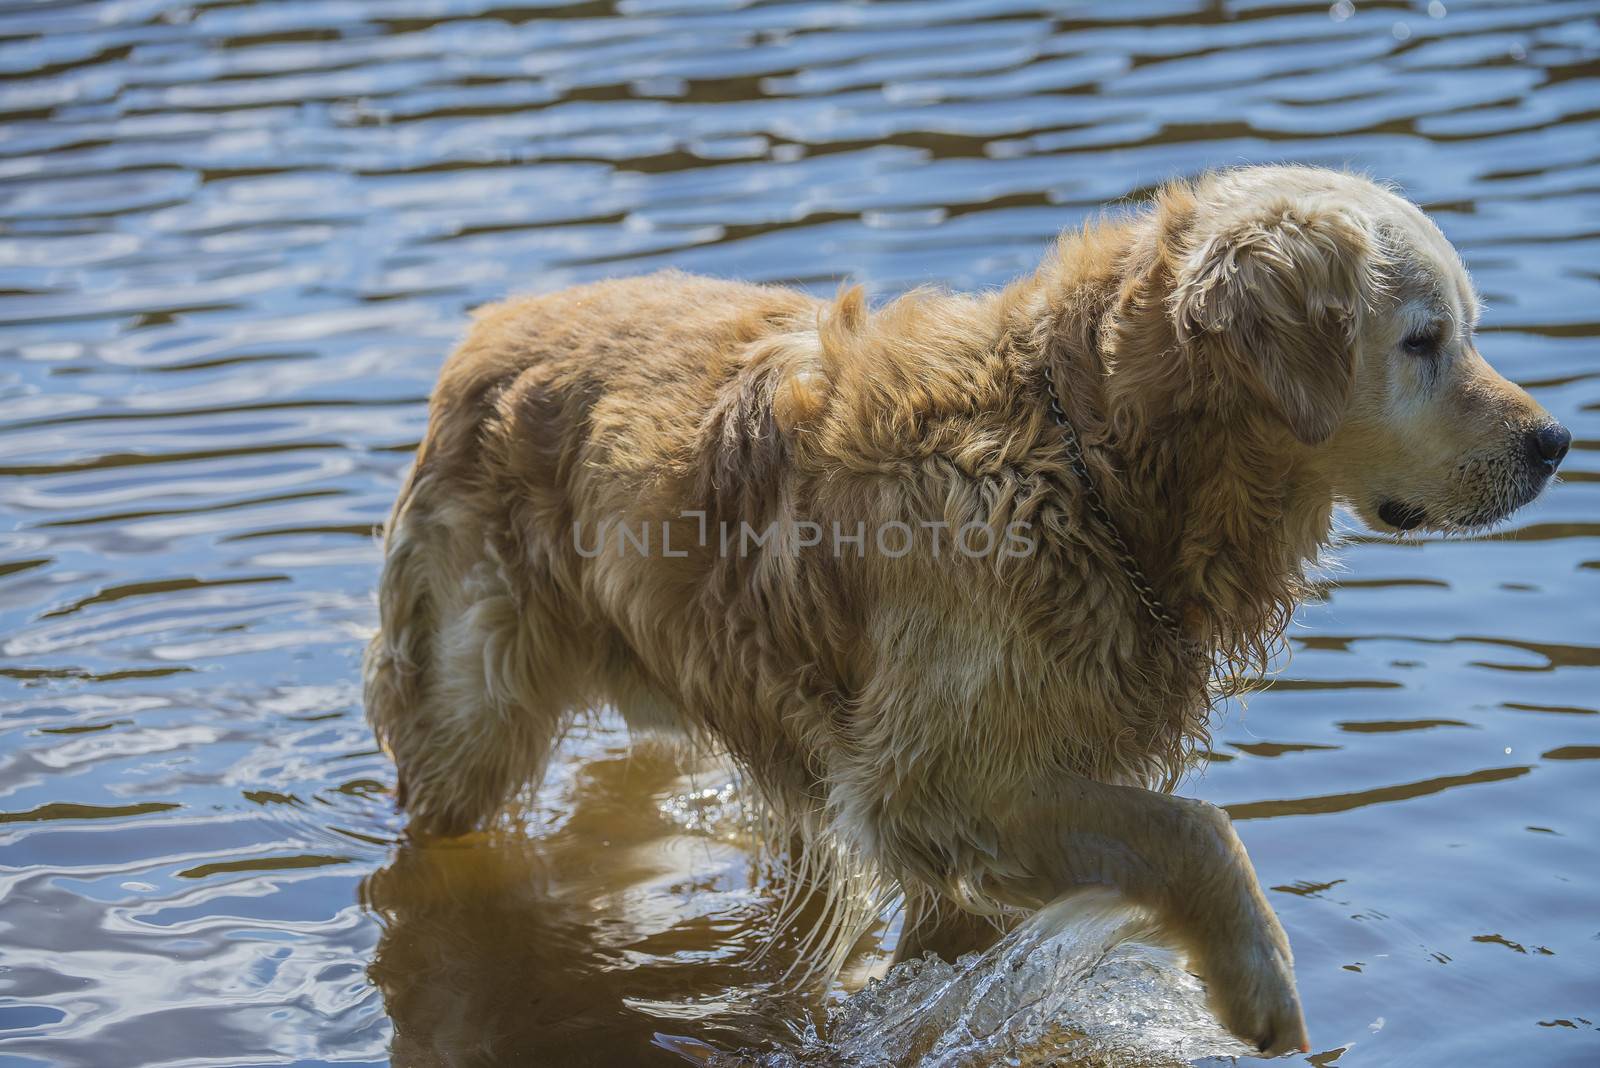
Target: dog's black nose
(1548, 444)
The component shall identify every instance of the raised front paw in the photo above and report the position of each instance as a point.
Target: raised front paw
(1250, 987)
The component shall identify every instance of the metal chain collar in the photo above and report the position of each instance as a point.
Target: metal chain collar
(1165, 618)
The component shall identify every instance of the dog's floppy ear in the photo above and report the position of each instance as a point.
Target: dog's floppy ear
(1276, 293)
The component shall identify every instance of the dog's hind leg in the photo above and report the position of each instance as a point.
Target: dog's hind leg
(472, 674)
(931, 926)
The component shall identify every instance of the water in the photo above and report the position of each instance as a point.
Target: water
(236, 241)
(1069, 987)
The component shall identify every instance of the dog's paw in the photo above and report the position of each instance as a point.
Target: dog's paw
(1250, 988)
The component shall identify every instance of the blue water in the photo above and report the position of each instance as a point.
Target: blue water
(236, 241)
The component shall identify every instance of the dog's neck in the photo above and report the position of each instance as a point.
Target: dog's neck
(1213, 495)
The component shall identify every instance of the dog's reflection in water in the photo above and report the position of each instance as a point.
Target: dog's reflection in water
(628, 934)
(580, 945)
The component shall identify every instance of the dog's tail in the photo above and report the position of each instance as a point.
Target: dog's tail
(393, 668)
(451, 678)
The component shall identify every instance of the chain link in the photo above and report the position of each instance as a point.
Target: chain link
(1164, 616)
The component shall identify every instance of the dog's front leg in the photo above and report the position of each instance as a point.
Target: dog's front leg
(1180, 859)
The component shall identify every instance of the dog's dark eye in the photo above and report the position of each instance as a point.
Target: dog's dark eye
(1424, 343)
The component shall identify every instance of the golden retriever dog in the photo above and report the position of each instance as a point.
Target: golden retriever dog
(956, 582)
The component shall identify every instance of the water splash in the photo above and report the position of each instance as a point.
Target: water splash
(1069, 987)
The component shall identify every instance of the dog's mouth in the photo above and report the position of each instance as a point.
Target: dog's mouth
(1400, 515)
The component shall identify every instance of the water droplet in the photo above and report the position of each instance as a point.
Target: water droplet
(1401, 31)
(1341, 10)
(1436, 10)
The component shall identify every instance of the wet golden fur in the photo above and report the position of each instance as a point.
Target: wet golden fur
(987, 733)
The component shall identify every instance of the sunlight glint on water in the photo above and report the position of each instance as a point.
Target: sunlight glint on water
(1065, 988)
(236, 241)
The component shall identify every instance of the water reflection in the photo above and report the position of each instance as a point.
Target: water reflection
(479, 960)
(614, 925)
(236, 240)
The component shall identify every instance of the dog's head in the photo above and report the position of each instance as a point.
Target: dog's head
(1341, 309)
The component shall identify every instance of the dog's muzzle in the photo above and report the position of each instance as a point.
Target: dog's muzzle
(1401, 516)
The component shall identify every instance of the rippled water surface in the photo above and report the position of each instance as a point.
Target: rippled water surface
(236, 241)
